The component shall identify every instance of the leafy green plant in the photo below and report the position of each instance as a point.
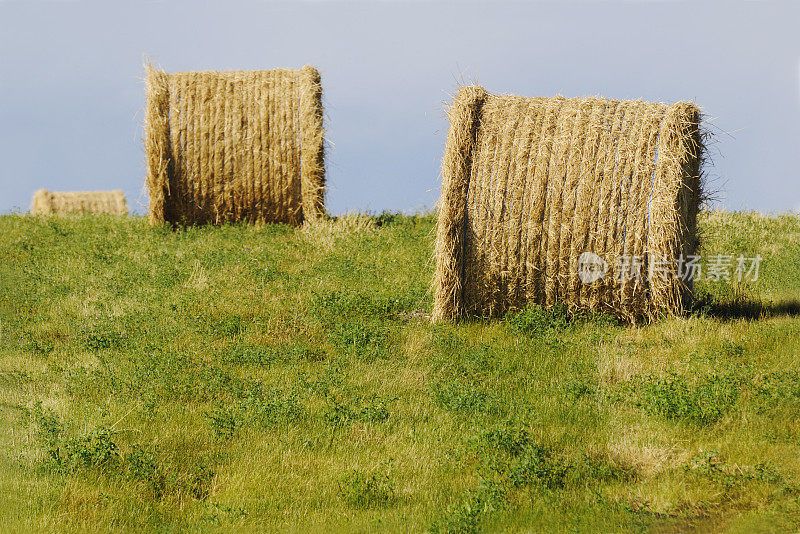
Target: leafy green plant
(337, 306)
(703, 401)
(339, 412)
(48, 425)
(259, 409)
(265, 356)
(774, 389)
(540, 322)
(361, 489)
(95, 449)
(221, 325)
(735, 480)
(475, 506)
(509, 439)
(460, 358)
(548, 323)
(387, 218)
(464, 396)
(365, 340)
(536, 466)
(104, 340)
(143, 464)
(38, 345)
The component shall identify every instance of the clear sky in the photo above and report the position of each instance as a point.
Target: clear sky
(72, 95)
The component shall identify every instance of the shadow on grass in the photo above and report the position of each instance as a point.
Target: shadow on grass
(745, 308)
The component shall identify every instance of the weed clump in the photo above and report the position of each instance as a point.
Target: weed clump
(704, 401)
(466, 397)
(342, 411)
(549, 323)
(466, 517)
(98, 451)
(361, 489)
(260, 409)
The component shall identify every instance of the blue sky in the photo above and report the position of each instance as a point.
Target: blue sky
(72, 96)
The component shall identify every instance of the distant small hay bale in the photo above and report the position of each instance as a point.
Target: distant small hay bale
(530, 184)
(235, 146)
(58, 203)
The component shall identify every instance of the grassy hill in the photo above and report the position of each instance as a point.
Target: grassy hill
(268, 378)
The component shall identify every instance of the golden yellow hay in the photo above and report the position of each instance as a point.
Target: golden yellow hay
(235, 146)
(58, 203)
(529, 185)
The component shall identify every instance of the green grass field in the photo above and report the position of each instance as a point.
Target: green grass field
(240, 379)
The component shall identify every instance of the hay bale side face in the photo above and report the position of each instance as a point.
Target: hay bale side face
(235, 146)
(42, 203)
(464, 115)
(533, 183)
(312, 138)
(98, 202)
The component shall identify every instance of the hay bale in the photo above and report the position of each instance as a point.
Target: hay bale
(531, 184)
(235, 146)
(58, 203)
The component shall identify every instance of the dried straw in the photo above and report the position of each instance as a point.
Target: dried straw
(529, 184)
(235, 146)
(58, 203)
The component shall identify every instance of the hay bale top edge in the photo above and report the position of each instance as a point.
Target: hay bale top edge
(593, 99)
(233, 72)
(75, 193)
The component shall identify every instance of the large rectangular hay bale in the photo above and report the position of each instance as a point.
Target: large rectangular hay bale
(235, 146)
(60, 203)
(531, 184)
